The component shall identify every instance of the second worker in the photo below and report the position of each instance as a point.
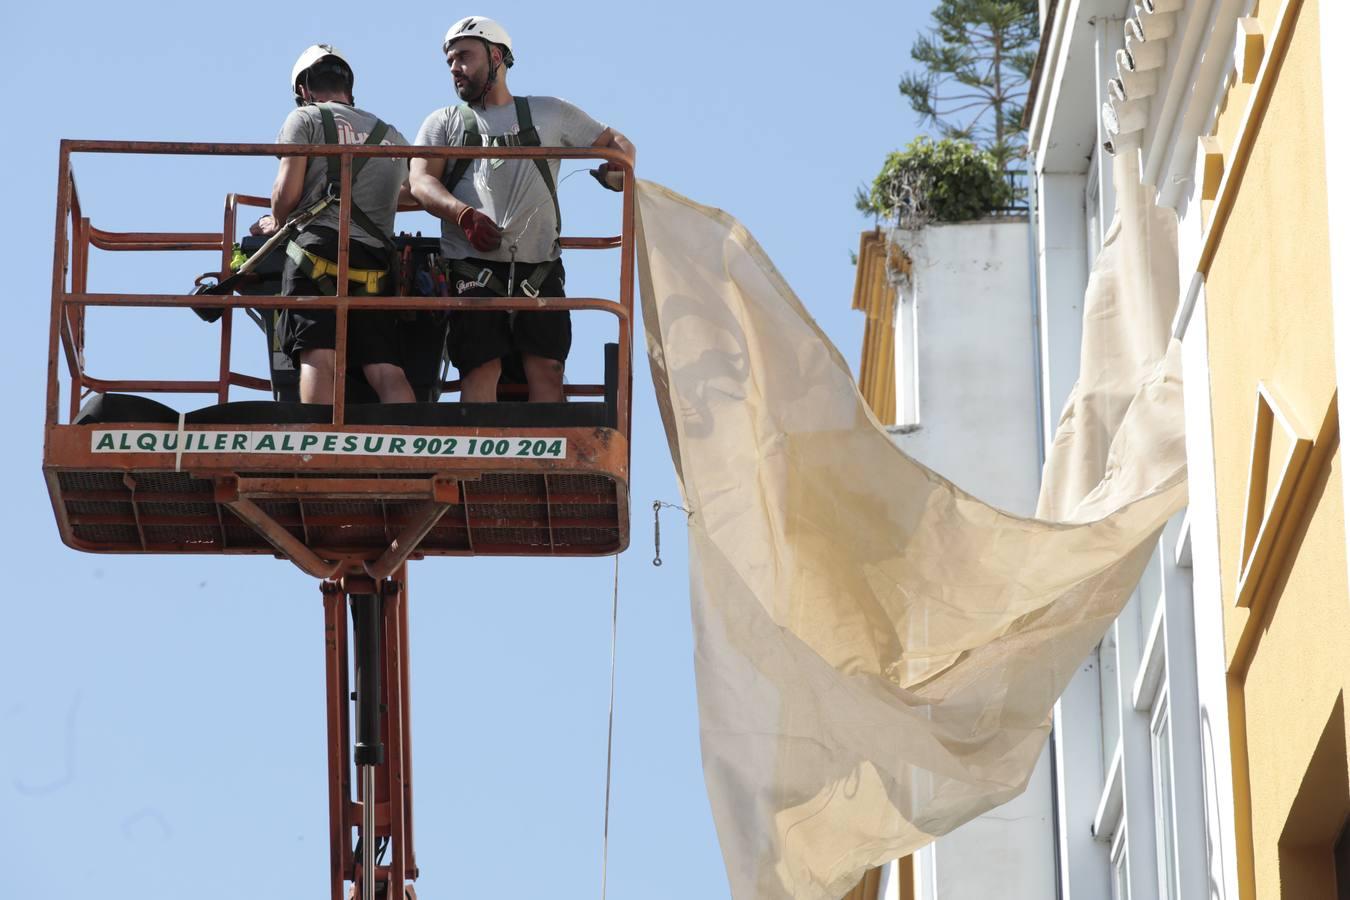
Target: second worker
(500, 221)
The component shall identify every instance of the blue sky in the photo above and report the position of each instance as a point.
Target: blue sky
(161, 719)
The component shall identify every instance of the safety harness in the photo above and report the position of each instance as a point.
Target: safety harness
(469, 276)
(323, 272)
(527, 136)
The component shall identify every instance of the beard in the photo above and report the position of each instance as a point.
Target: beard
(471, 88)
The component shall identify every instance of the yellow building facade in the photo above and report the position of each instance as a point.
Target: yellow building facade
(1279, 493)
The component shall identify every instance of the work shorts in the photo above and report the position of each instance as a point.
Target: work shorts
(372, 335)
(480, 336)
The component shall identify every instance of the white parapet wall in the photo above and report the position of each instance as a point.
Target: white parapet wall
(965, 358)
(966, 395)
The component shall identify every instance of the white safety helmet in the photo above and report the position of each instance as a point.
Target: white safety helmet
(485, 30)
(309, 58)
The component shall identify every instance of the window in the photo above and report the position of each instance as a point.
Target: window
(1110, 697)
(1164, 797)
(1150, 588)
(1120, 868)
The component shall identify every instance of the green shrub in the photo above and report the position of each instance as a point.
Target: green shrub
(942, 181)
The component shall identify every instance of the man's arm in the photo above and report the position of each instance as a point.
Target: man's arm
(425, 181)
(611, 138)
(426, 187)
(287, 189)
(286, 192)
(609, 174)
(406, 200)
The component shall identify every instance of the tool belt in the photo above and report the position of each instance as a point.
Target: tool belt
(466, 275)
(323, 272)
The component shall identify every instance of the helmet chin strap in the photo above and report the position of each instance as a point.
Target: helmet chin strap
(481, 100)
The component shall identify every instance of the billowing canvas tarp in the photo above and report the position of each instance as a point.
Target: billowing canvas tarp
(878, 652)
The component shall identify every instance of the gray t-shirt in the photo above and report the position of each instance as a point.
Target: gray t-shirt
(377, 187)
(510, 192)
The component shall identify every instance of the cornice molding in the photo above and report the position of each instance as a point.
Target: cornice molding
(1140, 67)
(1177, 61)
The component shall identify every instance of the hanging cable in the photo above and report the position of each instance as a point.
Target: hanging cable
(609, 741)
(613, 668)
(571, 173)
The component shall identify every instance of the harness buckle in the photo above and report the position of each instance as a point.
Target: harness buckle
(530, 290)
(480, 280)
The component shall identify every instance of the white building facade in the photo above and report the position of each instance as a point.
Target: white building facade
(1143, 774)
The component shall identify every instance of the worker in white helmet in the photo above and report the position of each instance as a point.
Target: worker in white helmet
(500, 218)
(325, 113)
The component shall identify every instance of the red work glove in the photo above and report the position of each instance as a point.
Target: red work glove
(481, 231)
(609, 176)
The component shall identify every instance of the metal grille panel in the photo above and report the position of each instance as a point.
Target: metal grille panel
(100, 508)
(177, 514)
(511, 537)
(114, 537)
(189, 538)
(238, 535)
(92, 481)
(508, 483)
(582, 484)
(195, 510)
(586, 537)
(170, 483)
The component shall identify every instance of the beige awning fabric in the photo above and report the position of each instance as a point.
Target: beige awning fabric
(877, 652)
(1096, 462)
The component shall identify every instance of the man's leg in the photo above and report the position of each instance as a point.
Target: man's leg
(544, 339)
(545, 378)
(308, 336)
(372, 341)
(390, 382)
(479, 385)
(316, 375)
(478, 338)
